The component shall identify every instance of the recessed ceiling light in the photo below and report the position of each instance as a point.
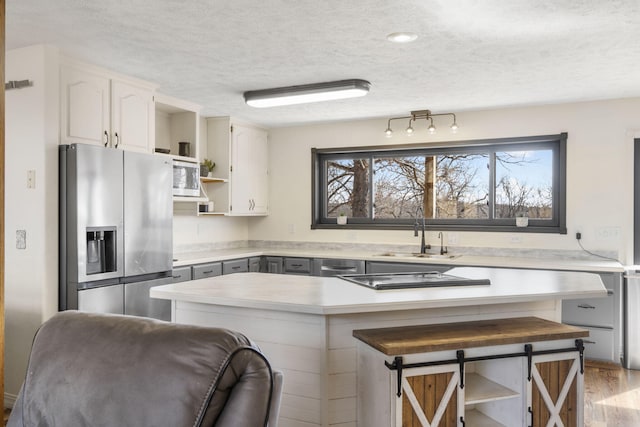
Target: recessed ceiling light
(402, 37)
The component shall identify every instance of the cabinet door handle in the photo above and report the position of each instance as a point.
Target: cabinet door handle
(585, 306)
(106, 138)
(117, 140)
(531, 412)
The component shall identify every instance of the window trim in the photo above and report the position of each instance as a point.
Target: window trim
(557, 225)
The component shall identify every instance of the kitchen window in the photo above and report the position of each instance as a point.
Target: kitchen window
(481, 185)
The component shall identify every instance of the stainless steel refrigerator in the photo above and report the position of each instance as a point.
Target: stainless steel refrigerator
(116, 220)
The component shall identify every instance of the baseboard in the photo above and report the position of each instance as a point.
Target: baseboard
(9, 400)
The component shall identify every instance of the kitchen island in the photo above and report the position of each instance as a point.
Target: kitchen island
(304, 324)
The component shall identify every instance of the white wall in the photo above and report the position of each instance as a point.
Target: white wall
(31, 135)
(599, 174)
(193, 232)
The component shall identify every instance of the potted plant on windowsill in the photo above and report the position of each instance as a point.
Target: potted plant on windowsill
(522, 220)
(206, 167)
(342, 219)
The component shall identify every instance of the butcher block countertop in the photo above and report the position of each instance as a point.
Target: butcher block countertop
(333, 295)
(461, 335)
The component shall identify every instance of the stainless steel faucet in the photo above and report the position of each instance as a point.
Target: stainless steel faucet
(423, 245)
(443, 249)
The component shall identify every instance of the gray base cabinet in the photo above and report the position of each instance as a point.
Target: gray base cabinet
(602, 317)
(255, 264)
(235, 266)
(181, 274)
(210, 269)
(300, 266)
(273, 264)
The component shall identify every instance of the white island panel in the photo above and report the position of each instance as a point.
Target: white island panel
(304, 324)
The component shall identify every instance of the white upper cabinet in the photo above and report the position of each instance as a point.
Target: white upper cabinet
(241, 155)
(249, 173)
(132, 117)
(102, 109)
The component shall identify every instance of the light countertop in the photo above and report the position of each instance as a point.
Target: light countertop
(596, 265)
(332, 295)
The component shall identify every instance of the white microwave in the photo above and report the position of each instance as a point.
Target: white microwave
(186, 178)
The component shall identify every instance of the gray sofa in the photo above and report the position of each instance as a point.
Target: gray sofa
(109, 370)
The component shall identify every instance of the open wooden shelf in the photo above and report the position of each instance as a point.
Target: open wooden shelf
(478, 419)
(479, 389)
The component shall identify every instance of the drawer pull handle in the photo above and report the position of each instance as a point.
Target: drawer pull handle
(585, 306)
(176, 277)
(296, 265)
(207, 272)
(235, 267)
(609, 292)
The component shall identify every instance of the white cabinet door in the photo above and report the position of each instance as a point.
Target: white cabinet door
(84, 107)
(259, 173)
(132, 117)
(249, 186)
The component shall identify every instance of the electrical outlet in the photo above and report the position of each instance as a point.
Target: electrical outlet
(21, 239)
(31, 178)
(452, 238)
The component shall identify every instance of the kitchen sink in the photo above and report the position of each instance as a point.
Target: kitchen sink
(417, 255)
(429, 279)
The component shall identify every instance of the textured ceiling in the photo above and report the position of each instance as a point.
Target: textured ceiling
(469, 55)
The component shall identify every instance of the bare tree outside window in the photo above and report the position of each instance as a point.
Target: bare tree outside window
(348, 188)
(449, 186)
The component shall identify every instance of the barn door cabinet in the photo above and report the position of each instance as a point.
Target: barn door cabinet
(512, 372)
(240, 150)
(101, 108)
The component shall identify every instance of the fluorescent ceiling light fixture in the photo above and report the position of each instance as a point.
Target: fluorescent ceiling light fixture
(307, 93)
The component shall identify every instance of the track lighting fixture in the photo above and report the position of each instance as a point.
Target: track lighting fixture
(421, 114)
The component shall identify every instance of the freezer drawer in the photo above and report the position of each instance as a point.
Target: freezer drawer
(107, 299)
(137, 301)
(598, 312)
(211, 269)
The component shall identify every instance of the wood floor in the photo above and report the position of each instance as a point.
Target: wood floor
(611, 395)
